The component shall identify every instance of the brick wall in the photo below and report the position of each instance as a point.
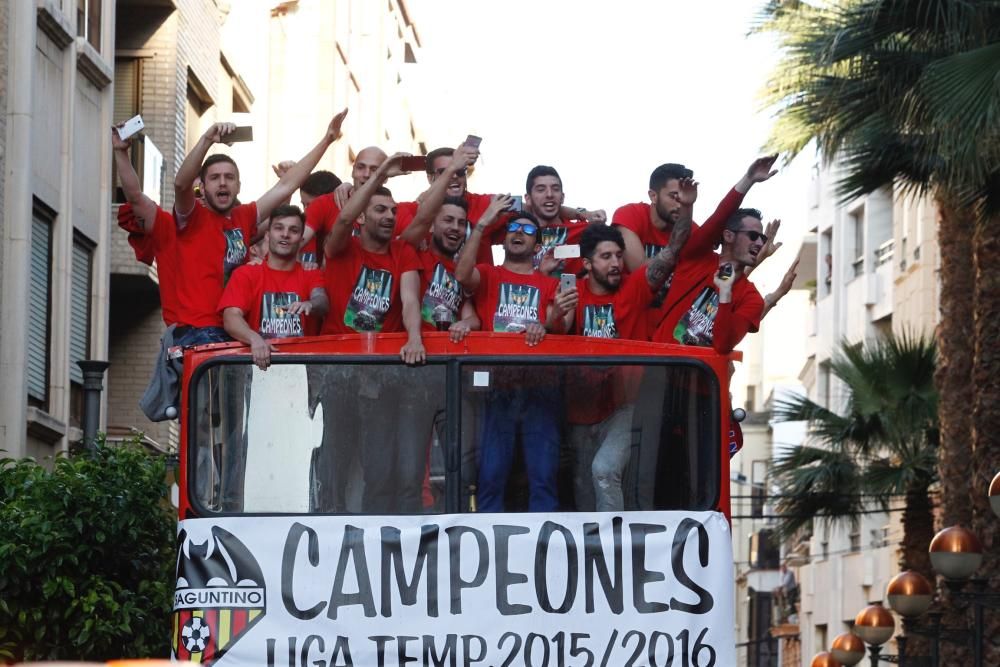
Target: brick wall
(133, 345)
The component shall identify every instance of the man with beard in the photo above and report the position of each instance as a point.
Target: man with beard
(600, 411)
(322, 210)
(212, 240)
(275, 298)
(514, 297)
(711, 302)
(646, 228)
(373, 281)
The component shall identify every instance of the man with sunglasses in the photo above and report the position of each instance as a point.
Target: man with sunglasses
(711, 302)
(514, 297)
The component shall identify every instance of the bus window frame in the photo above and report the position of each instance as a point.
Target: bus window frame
(189, 505)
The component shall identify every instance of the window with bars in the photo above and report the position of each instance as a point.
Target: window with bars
(128, 96)
(39, 307)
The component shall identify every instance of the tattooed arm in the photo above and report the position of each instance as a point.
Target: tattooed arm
(662, 265)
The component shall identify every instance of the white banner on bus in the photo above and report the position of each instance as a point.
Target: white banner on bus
(567, 590)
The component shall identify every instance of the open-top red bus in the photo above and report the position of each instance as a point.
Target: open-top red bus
(341, 508)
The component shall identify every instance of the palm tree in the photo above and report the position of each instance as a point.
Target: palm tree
(906, 93)
(880, 448)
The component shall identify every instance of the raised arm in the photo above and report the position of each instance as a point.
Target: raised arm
(143, 207)
(465, 270)
(432, 199)
(705, 238)
(663, 264)
(184, 199)
(340, 234)
(296, 175)
(635, 253)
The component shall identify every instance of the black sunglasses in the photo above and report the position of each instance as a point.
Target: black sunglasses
(753, 235)
(460, 172)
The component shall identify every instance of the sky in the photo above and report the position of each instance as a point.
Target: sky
(605, 92)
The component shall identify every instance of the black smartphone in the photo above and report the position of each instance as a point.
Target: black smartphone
(726, 271)
(473, 141)
(413, 163)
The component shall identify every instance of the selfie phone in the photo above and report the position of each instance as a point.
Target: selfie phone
(413, 163)
(473, 141)
(241, 133)
(130, 127)
(567, 281)
(566, 251)
(517, 204)
(726, 271)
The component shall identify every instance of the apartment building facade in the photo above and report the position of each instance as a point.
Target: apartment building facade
(874, 264)
(56, 64)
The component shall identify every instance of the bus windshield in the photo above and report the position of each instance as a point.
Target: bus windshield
(332, 435)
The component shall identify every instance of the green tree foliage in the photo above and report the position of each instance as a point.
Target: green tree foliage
(882, 446)
(86, 556)
(903, 91)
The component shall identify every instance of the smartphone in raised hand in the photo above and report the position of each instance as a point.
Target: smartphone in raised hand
(241, 133)
(131, 127)
(413, 163)
(473, 141)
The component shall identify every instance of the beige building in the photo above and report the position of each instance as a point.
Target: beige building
(874, 269)
(57, 68)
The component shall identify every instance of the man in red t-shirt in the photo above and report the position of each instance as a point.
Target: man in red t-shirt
(647, 227)
(711, 302)
(151, 230)
(318, 184)
(544, 197)
(275, 298)
(322, 210)
(373, 281)
(600, 410)
(514, 297)
(212, 240)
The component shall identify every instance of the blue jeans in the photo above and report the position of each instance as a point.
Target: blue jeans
(187, 336)
(535, 411)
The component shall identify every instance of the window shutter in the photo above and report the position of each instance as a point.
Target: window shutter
(38, 311)
(79, 311)
(126, 74)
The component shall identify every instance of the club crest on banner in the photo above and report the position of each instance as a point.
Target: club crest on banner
(219, 595)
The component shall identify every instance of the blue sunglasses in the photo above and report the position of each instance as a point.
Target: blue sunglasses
(525, 227)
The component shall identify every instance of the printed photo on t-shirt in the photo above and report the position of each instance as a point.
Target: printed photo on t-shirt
(652, 250)
(551, 237)
(599, 321)
(442, 298)
(516, 307)
(370, 300)
(275, 320)
(695, 327)
(236, 251)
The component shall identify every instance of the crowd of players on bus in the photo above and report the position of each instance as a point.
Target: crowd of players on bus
(352, 259)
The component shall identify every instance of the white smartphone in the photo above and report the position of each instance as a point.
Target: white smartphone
(570, 251)
(131, 126)
(567, 281)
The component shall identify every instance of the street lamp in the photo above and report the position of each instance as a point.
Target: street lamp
(874, 625)
(847, 649)
(824, 659)
(909, 594)
(956, 553)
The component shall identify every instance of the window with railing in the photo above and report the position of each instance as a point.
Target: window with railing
(884, 253)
